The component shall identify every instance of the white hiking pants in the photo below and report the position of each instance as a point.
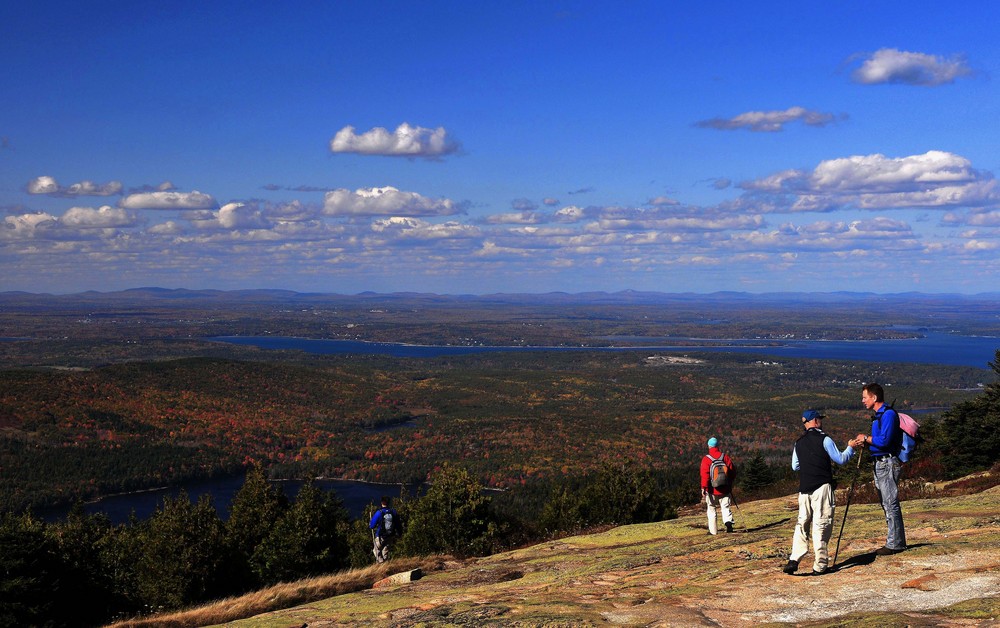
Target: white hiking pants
(717, 501)
(816, 521)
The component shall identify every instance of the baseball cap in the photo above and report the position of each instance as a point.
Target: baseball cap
(810, 415)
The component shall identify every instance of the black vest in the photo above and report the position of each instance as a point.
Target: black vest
(814, 463)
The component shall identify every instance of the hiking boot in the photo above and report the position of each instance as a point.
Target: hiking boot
(888, 551)
(790, 566)
(729, 526)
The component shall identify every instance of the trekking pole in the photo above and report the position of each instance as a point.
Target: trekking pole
(732, 498)
(847, 507)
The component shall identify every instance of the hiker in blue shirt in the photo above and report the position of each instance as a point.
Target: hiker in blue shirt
(811, 457)
(385, 529)
(884, 444)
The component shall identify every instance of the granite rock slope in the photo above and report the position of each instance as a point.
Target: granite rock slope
(674, 573)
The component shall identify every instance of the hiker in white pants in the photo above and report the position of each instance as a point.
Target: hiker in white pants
(717, 497)
(811, 457)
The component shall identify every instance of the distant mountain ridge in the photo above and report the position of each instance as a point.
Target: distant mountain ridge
(623, 297)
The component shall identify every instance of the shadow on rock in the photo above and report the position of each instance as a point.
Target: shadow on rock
(765, 526)
(867, 558)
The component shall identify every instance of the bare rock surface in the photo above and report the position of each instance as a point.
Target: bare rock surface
(673, 573)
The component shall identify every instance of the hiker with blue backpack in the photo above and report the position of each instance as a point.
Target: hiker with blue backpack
(811, 457)
(385, 527)
(717, 475)
(885, 445)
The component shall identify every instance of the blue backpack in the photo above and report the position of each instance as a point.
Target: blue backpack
(910, 429)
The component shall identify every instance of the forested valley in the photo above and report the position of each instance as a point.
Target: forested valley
(529, 444)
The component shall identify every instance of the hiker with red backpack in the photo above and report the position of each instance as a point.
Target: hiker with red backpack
(811, 457)
(717, 475)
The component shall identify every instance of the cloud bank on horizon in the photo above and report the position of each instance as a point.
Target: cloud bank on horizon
(795, 156)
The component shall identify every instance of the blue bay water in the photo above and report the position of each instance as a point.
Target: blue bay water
(931, 348)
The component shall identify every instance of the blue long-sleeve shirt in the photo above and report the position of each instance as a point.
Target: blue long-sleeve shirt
(887, 437)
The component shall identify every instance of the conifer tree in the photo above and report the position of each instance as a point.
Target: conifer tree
(183, 552)
(968, 435)
(454, 516)
(29, 571)
(255, 511)
(755, 473)
(309, 539)
(86, 591)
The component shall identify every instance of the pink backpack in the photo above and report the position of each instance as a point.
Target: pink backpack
(910, 428)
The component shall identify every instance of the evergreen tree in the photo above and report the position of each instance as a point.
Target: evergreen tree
(183, 553)
(255, 511)
(755, 473)
(968, 435)
(29, 572)
(309, 539)
(454, 516)
(561, 512)
(620, 493)
(624, 493)
(86, 589)
(120, 555)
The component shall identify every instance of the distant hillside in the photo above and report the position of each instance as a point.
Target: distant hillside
(674, 574)
(623, 297)
(550, 319)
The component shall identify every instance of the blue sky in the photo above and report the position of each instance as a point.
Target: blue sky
(480, 147)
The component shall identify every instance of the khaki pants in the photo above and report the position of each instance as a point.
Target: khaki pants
(381, 549)
(816, 521)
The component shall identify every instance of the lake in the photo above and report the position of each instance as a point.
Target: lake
(931, 348)
(356, 496)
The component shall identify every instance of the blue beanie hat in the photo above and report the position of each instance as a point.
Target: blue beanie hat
(712, 442)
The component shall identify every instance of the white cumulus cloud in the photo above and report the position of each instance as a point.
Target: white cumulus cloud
(26, 226)
(769, 121)
(890, 65)
(980, 218)
(399, 227)
(405, 141)
(43, 185)
(102, 218)
(932, 179)
(48, 185)
(387, 201)
(169, 200)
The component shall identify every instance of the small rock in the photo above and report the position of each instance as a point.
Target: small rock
(399, 578)
(923, 583)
